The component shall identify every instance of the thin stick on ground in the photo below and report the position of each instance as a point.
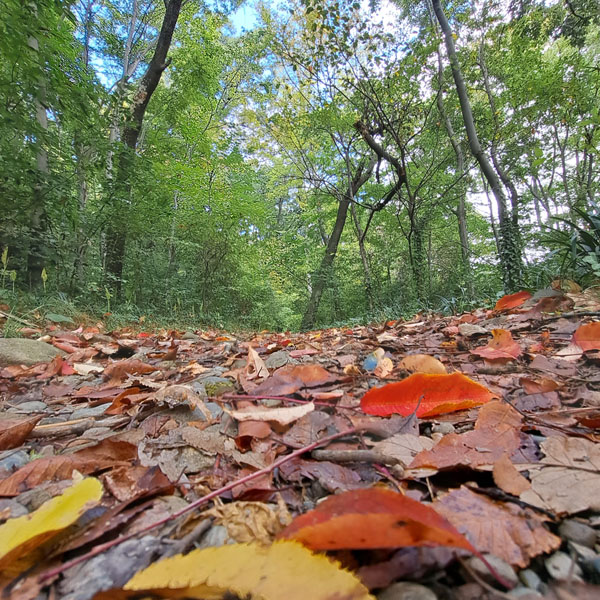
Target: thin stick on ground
(47, 575)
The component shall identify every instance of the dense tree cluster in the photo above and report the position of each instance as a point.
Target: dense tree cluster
(338, 161)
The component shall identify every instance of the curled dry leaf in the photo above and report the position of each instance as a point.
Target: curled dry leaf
(118, 370)
(373, 518)
(512, 301)
(256, 368)
(283, 416)
(587, 336)
(21, 536)
(177, 395)
(428, 394)
(14, 431)
(501, 348)
(505, 530)
(283, 570)
(422, 363)
(507, 478)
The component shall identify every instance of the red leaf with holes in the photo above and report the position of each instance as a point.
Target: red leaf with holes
(512, 300)
(501, 348)
(587, 336)
(373, 518)
(438, 394)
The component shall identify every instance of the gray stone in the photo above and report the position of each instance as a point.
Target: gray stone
(18, 351)
(11, 460)
(501, 567)
(11, 509)
(217, 386)
(582, 552)
(97, 433)
(29, 407)
(190, 335)
(578, 532)
(277, 359)
(216, 536)
(562, 567)
(443, 428)
(530, 578)
(525, 593)
(90, 411)
(406, 590)
(471, 330)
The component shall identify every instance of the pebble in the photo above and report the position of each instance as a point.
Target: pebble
(578, 532)
(90, 411)
(530, 578)
(277, 359)
(525, 593)
(29, 407)
(406, 590)
(443, 428)
(11, 460)
(190, 335)
(592, 569)
(11, 509)
(500, 566)
(216, 536)
(583, 552)
(562, 567)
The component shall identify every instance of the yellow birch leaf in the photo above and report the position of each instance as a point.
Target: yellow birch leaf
(20, 536)
(285, 569)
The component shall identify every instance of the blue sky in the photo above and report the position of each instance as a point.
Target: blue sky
(244, 17)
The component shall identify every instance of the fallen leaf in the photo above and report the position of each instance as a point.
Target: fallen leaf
(439, 394)
(512, 301)
(501, 348)
(505, 530)
(587, 336)
(14, 431)
(20, 536)
(496, 431)
(127, 483)
(332, 477)
(538, 386)
(507, 478)
(283, 416)
(256, 368)
(291, 378)
(422, 363)
(283, 570)
(118, 370)
(568, 477)
(373, 518)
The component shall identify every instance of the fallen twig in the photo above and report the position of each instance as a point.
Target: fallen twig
(17, 319)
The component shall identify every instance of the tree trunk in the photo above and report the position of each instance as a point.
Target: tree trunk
(509, 253)
(117, 229)
(323, 273)
(364, 259)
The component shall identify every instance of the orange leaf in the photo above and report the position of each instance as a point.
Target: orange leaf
(501, 348)
(587, 336)
(512, 300)
(372, 518)
(440, 394)
(422, 363)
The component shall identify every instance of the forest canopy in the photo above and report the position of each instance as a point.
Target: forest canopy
(331, 162)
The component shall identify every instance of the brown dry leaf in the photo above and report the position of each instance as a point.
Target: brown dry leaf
(514, 534)
(422, 363)
(540, 385)
(284, 570)
(507, 478)
(496, 431)
(118, 370)
(177, 395)
(256, 368)
(127, 483)
(567, 480)
(333, 477)
(404, 446)
(283, 416)
(383, 368)
(291, 378)
(251, 521)
(14, 431)
(108, 453)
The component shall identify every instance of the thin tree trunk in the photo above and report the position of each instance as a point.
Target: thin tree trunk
(509, 251)
(117, 230)
(364, 258)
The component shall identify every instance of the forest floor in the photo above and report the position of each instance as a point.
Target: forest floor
(407, 451)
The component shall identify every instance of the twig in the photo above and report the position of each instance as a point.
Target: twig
(102, 547)
(568, 315)
(22, 321)
(368, 456)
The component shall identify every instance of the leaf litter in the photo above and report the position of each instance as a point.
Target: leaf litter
(175, 464)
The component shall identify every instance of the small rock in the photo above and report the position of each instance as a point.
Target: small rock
(592, 569)
(216, 536)
(217, 386)
(578, 532)
(11, 460)
(501, 567)
(90, 411)
(190, 335)
(471, 330)
(525, 593)
(29, 407)
(583, 552)
(562, 567)
(406, 590)
(19, 351)
(443, 428)
(97, 433)
(530, 578)
(11, 509)
(277, 359)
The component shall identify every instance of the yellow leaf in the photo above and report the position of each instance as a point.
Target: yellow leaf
(284, 570)
(20, 536)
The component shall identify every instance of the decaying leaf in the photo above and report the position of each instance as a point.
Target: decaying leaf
(291, 378)
(14, 431)
(567, 480)
(429, 395)
(373, 518)
(507, 478)
(20, 536)
(512, 300)
(256, 368)
(587, 336)
(422, 363)
(284, 570)
(501, 348)
(283, 416)
(505, 530)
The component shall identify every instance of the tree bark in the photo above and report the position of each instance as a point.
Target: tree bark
(364, 259)
(509, 253)
(117, 230)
